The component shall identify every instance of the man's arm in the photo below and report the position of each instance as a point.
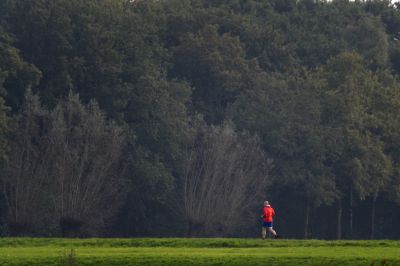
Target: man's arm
(263, 214)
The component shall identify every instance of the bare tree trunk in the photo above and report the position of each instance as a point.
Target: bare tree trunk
(339, 219)
(373, 207)
(24, 170)
(224, 177)
(67, 166)
(87, 150)
(306, 219)
(351, 215)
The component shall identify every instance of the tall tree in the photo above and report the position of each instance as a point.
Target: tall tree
(86, 164)
(26, 173)
(225, 174)
(64, 166)
(287, 116)
(4, 127)
(356, 152)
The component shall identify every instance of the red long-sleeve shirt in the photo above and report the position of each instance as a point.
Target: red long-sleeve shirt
(268, 213)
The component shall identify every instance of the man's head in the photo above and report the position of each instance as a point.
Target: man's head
(266, 203)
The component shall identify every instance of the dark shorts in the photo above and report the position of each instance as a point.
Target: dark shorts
(267, 224)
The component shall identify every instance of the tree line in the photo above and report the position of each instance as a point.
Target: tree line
(179, 118)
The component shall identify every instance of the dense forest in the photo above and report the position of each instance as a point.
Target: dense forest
(180, 117)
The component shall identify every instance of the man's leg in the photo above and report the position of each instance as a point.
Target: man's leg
(264, 232)
(272, 231)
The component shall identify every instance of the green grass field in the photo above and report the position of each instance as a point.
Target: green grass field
(183, 251)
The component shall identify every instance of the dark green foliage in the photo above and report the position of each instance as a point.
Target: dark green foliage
(217, 69)
(16, 75)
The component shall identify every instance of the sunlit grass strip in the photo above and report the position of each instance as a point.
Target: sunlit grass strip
(281, 252)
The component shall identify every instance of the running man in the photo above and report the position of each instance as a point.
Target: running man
(268, 216)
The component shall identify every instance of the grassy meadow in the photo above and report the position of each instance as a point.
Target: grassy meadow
(184, 251)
